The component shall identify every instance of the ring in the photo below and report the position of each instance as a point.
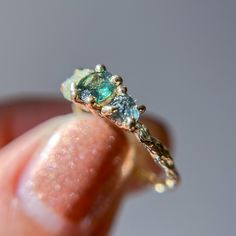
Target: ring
(104, 94)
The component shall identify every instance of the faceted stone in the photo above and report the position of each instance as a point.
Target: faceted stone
(75, 78)
(126, 107)
(96, 84)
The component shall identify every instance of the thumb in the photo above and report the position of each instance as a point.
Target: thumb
(65, 177)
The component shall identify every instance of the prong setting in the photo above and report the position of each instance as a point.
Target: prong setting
(117, 80)
(142, 108)
(100, 68)
(121, 89)
(90, 100)
(130, 122)
(108, 110)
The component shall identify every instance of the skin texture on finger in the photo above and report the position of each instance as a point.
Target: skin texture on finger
(83, 215)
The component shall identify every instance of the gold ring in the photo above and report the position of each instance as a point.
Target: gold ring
(100, 92)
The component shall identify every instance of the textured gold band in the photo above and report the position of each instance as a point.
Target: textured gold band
(161, 156)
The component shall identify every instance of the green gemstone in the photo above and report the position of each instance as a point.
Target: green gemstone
(96, 84)
(75, 78)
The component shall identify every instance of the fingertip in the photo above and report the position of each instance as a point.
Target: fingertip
(59, 183)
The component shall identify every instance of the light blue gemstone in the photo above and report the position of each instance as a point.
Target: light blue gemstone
(126, 107)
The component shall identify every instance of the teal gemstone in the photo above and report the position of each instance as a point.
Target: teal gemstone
(98, 85)
(126, 107)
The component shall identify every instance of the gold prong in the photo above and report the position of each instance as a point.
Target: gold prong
(90, 100)
(142, 108)
(117, 80)
(100, 68)
(108, 110)
(74, 93)
(121, 89)
(130, 124)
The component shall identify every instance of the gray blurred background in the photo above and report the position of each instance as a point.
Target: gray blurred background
(178, 57)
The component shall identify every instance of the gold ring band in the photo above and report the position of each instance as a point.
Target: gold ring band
(102, 93)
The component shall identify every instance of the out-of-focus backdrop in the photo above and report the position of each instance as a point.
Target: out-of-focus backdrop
(178, 57)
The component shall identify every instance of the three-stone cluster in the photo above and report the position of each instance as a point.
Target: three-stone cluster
(102, 88)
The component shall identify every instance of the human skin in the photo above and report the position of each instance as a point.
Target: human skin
(68, 175)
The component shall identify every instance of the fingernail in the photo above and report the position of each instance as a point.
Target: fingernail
(77, 176)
